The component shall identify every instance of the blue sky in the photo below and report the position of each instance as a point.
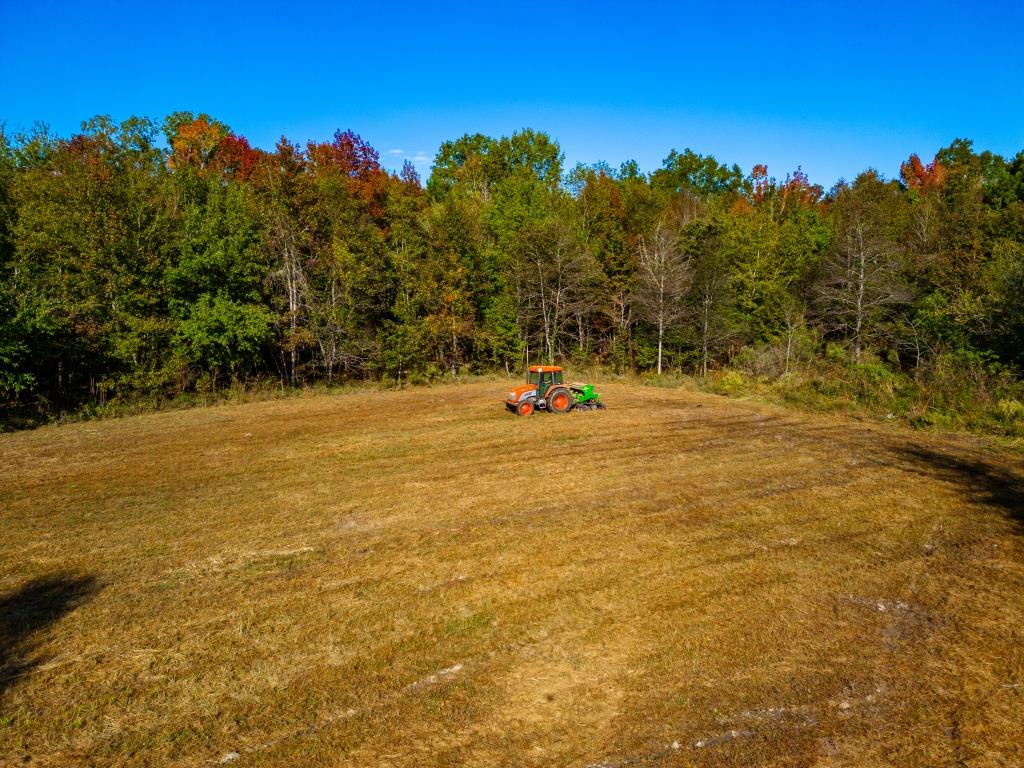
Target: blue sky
(832, 86)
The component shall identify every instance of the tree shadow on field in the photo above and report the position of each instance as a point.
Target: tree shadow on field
(983, 481)
(27, 611)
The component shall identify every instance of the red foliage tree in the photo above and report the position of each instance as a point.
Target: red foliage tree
(917, 175)
(762, 185)
(235, 157)
(798, 190)
(358, 162)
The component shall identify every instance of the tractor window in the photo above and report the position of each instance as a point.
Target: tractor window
(544, 379)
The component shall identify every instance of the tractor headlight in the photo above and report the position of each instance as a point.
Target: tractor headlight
(512, 396)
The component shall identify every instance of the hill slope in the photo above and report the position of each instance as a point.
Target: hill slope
(420, 579)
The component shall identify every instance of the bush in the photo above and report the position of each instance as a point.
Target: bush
(729, 383)
(873, 382)
(836, 353)
(935, 419)
(1010, 410)
(776, 359)
(645, 354)
(964, 380)
(763, 360)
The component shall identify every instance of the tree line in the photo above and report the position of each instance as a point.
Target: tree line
(140, 260)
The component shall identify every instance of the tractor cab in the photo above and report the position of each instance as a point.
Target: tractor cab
(543, 377)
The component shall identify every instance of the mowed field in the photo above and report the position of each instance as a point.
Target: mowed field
(418, 578)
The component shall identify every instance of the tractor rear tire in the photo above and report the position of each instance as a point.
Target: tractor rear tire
(560, 400)
(525, 408)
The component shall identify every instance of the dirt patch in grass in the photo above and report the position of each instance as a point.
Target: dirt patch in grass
(418, 578)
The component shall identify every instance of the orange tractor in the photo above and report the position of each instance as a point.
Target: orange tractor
(546, 390)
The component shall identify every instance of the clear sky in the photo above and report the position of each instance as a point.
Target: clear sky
(833, 86)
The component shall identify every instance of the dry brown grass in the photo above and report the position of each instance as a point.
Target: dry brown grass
(421, 579)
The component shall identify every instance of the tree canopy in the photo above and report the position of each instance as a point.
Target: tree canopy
(140, 259)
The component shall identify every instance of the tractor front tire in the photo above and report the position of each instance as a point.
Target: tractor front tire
(560, 401)
(525, 408)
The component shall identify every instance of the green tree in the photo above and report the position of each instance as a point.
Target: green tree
(711, 298)
(89, 233)
(216, 280)
(220, 335)
(15, 376)
(700, 175)
(1005, 300)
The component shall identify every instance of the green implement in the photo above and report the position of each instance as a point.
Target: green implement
(586, 398)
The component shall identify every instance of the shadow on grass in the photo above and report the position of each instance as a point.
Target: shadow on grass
(28, 611)
(984, 482)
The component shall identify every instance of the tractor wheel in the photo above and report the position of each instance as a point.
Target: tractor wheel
(525, 408)
(559, 401)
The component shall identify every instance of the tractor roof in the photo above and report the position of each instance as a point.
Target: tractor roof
(545, 368)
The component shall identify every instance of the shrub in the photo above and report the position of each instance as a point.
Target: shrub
(873, 382)
(836, 352)
(1010, 410)
(729, 382)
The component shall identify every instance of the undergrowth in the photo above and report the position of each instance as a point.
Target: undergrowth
(955, 393)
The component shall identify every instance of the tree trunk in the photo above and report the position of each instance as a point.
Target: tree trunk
(291, 277)
(789, 347)
(705, 333)
(661, 337)
(859, 318)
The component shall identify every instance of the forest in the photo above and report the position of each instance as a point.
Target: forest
(145, 262)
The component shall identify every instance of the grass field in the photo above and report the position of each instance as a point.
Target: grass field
(418, 578)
